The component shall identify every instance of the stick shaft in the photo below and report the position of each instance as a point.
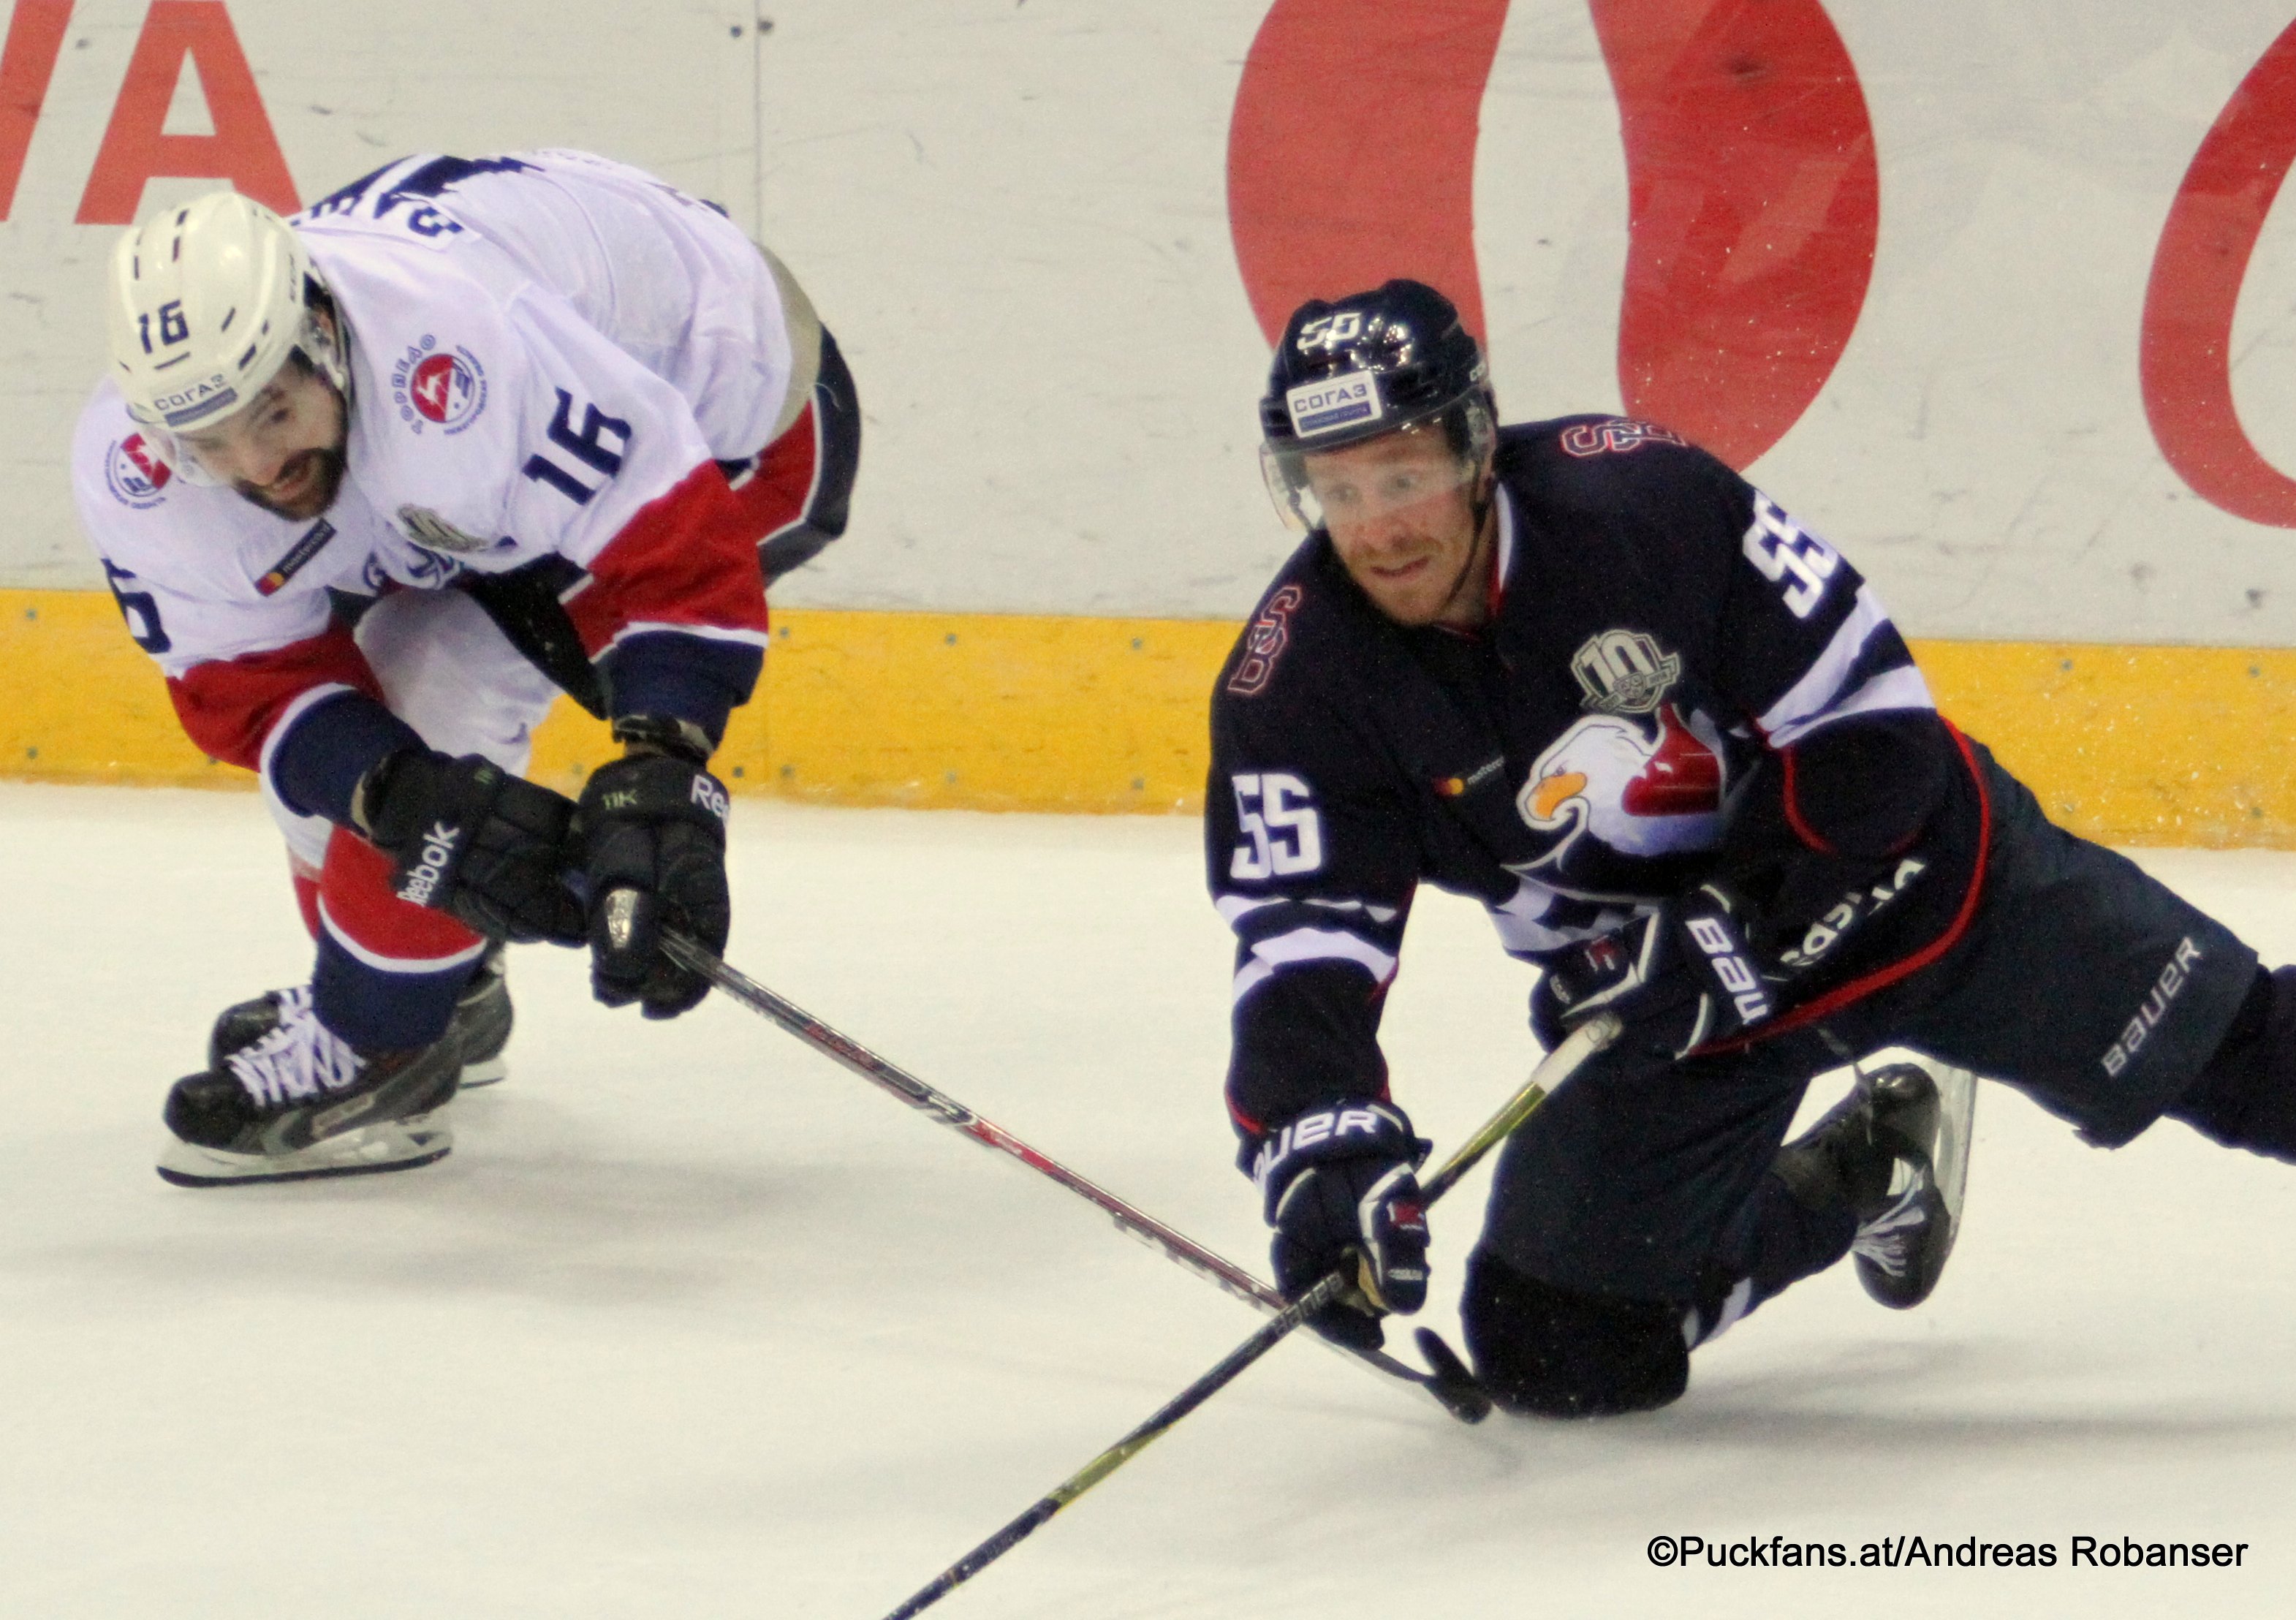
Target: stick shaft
(896, 1082)
(1557, 1067)
(892, 1078)
(1269, 1335)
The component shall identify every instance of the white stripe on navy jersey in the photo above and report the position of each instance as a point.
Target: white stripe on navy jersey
(1900, 688)
(1378, 914)
(1536, 919)
(1232, 908)
(1310, 945)
(1822, 681)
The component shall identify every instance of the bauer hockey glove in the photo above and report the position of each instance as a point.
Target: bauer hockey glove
(1337, 1186)
(1678, 977)
(472, 839)
(654, 849)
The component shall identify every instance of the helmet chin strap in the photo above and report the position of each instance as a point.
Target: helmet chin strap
(1482, 505)
(1484, 549)
(334, 340)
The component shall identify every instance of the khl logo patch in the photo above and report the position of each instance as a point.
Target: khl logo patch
(136, 476)
(433, 532)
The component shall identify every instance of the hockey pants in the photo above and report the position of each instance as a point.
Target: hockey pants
(1643, 1193)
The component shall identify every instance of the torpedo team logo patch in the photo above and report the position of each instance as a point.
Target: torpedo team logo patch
(136, 476)
(435, 386)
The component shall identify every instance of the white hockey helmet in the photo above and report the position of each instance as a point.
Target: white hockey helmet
(209, 301)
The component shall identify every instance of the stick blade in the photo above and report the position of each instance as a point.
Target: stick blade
(1460, 1393)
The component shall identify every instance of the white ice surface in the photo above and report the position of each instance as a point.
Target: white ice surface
(694, 1323)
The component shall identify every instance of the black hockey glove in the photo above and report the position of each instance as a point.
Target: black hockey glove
(653, 840)
(1677, 977)
(1339, 1188)
(472, 839)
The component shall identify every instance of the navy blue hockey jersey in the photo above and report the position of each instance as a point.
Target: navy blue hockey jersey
(1679, 683)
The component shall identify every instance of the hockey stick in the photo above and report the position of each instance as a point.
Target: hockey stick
(1557, 1067)
(1450, 1383)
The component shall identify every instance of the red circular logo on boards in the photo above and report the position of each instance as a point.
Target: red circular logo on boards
(1754, 199)
(1753, 188)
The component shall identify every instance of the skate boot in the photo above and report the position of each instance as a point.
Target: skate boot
(482, 1019)
(1896, 1153)
(300, 1102)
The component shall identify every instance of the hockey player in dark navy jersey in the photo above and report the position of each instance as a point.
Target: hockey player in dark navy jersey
(1584, 672)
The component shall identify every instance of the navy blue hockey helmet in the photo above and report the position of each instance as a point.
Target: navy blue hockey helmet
(1386, 361)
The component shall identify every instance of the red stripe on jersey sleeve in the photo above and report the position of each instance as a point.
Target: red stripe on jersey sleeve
(777, 494)
(228, 706)
(689, 557)
(1803, 829)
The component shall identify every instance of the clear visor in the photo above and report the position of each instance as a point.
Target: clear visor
(266, 428)
(1362, 484)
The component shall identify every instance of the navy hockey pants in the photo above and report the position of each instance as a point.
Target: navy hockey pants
(2081, 982)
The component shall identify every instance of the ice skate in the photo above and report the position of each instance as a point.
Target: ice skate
(1895, 1151)
(482, 1022)
(299, 1102)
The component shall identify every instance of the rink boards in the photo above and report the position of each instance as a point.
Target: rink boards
(2157, 745)
(1997, 301)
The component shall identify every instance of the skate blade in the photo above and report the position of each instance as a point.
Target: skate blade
(485, 1073)
(1956, 1092)
(405, 1144)
(1902, 1289)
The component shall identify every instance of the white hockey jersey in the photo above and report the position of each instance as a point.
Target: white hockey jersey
(549, 352)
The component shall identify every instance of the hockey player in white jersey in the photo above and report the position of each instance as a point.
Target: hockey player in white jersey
(372, 486)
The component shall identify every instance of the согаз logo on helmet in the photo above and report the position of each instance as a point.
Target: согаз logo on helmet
(1318, 408)
(203, 398)
(437, 387)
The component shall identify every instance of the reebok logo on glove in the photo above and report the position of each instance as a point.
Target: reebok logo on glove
(438, 854)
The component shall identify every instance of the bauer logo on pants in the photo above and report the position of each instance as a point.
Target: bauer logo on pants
(2166, 989)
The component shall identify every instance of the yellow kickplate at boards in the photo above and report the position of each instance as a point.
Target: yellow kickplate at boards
(2128, 745)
